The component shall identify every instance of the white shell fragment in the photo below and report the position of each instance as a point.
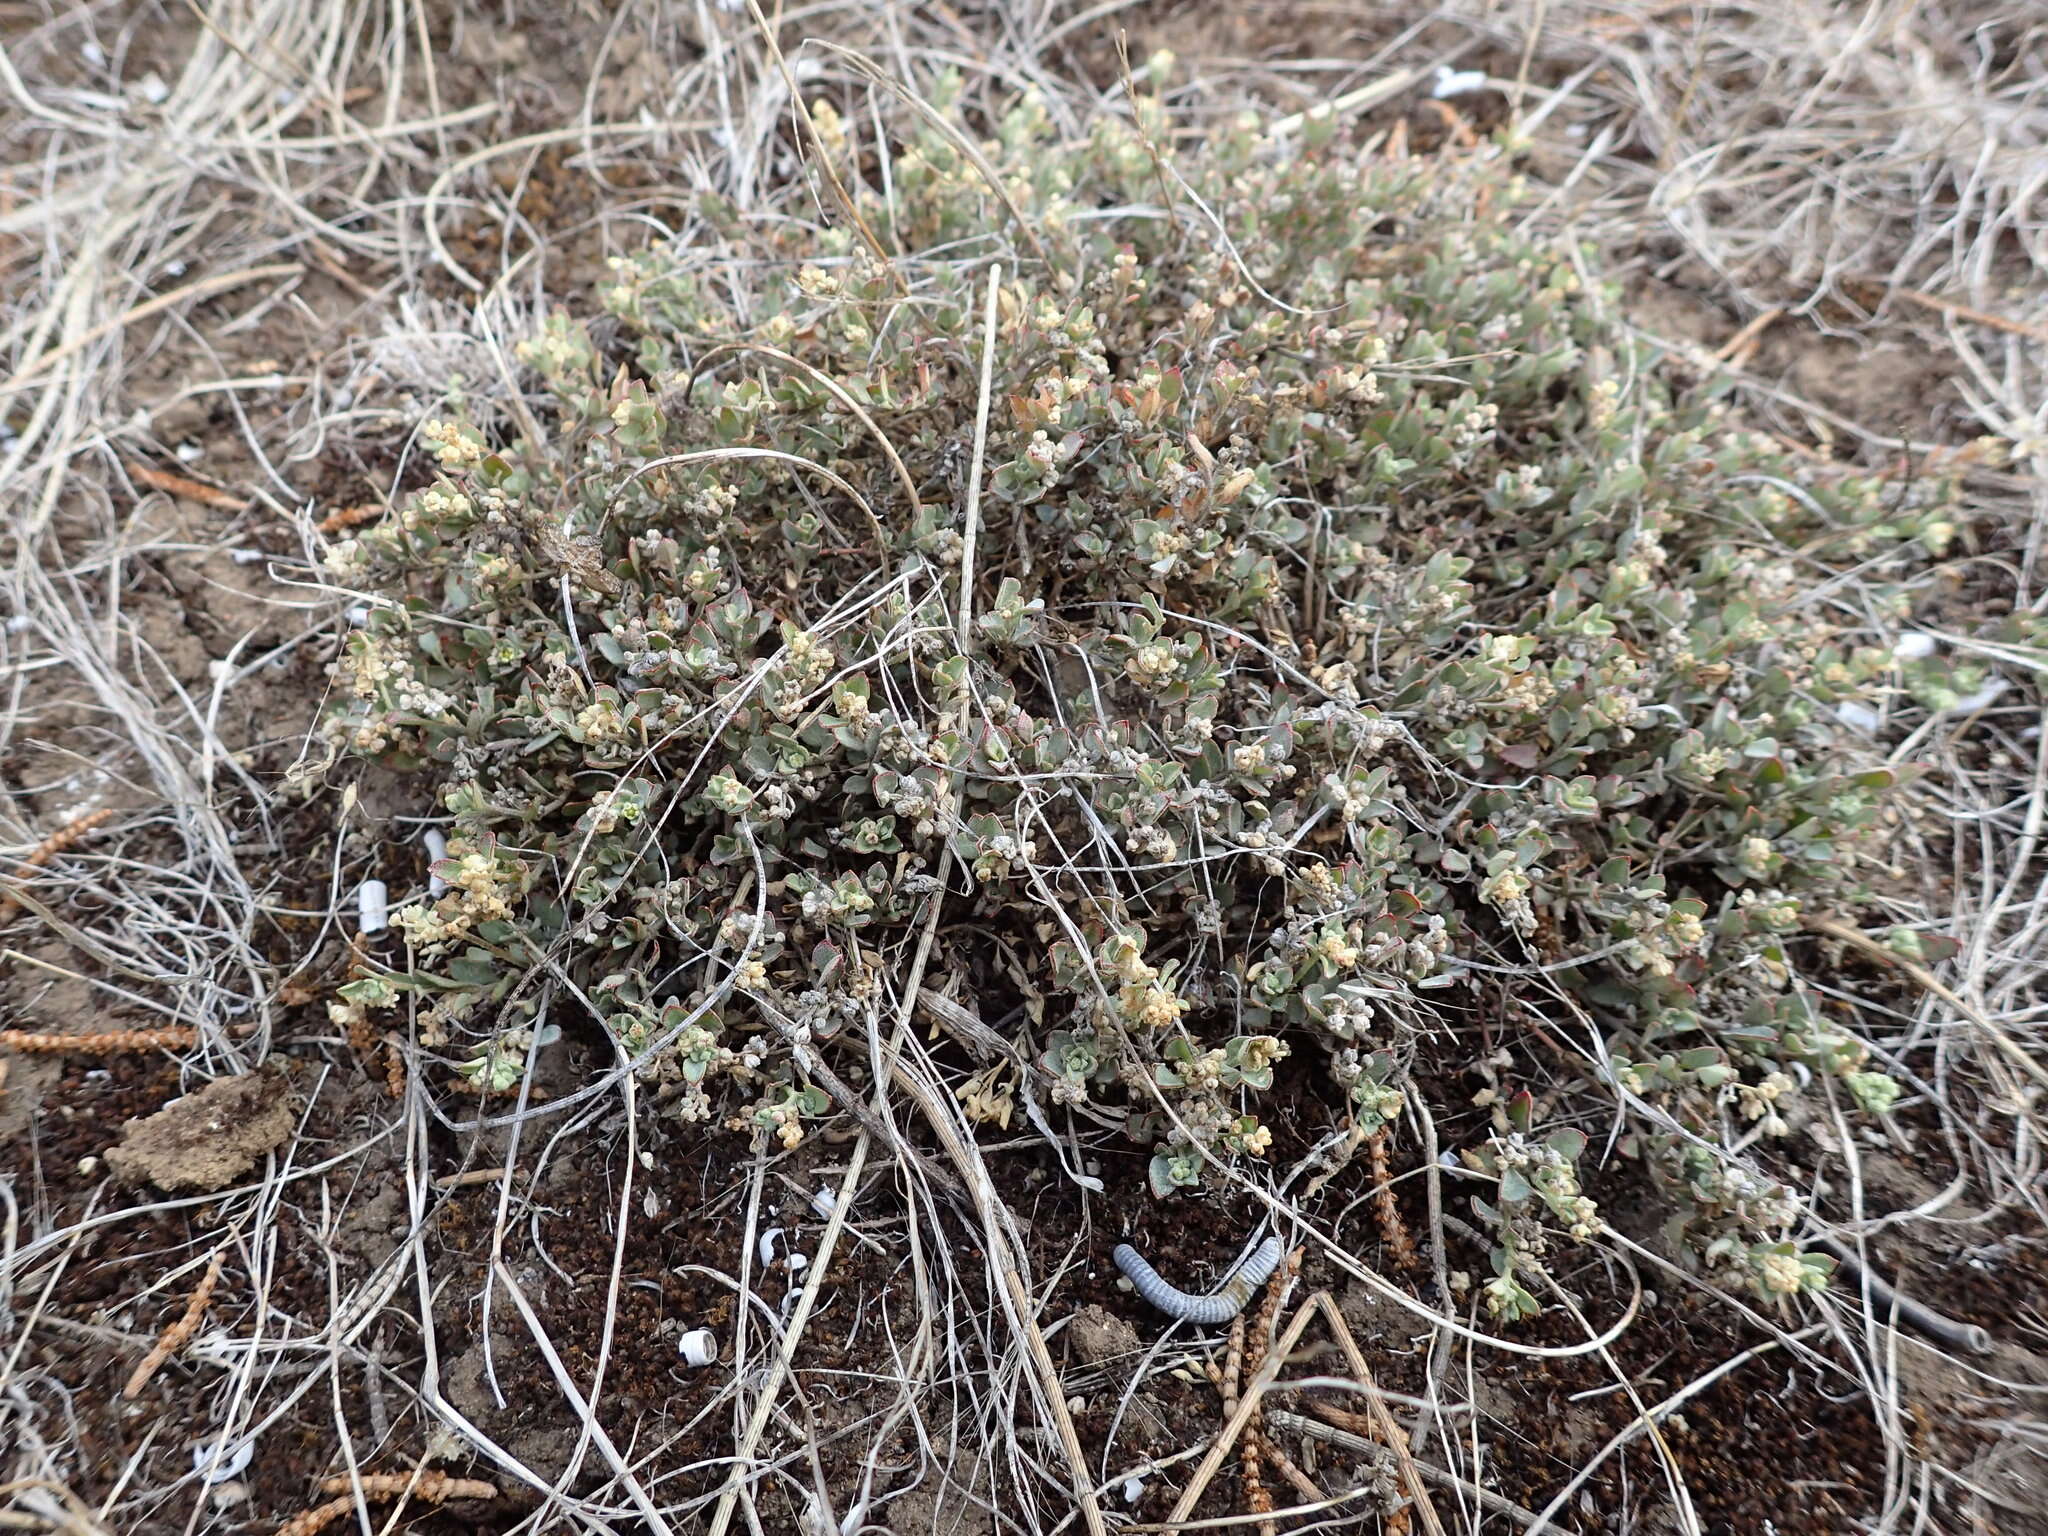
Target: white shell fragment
(824, 1202)
(1457, 82)
(766, 1247)
(698, 1347)
(373, 906)
(1858, 716)
(436, 842)
(233, 1462)
(1914, 645)
(1970, 703)
(1133, 1489)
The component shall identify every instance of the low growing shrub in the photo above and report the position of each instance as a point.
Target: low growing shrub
(1358, 620)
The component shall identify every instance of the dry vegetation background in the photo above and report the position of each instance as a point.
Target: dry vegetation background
(247, 246)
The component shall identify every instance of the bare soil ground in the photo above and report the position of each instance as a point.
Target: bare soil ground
(247, 247)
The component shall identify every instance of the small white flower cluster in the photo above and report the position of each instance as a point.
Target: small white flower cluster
(1508, 893)
(481, 889)
(346, 560)
(1144, 997)
(1759, 1101)
(1373, 1097)
(1476, 426)
(457, 448)
(1601, 402)
(1152, 666)
(601, 722)
(1553, 1178)
(1781, 1274)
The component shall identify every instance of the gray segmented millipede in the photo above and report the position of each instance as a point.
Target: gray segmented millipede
(1219, 1306)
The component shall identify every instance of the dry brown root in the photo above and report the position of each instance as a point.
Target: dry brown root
(1455, 126)
(114, 1042)
(1252, 1448)
(71, 832)
(176, 1336)
(1258, 1499)
(1386, 1209)
(1364, 1425)
(350, 517)
(316, 1519)
(1344, 1418)
(1302, 1483)
(1233, 1366)
(434, 1487)
(187, 489)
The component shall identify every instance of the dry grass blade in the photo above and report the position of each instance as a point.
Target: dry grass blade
(1364, 1444)
(764, 1404)
(219, 282)
(1390, 1433)
(637, 1491)
(1646, 1423)
(1235, 1423)
(1975, 316)
(872, 72)
(1860, 941)
(847, 208)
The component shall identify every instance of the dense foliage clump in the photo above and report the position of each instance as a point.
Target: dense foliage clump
(1355, 622)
